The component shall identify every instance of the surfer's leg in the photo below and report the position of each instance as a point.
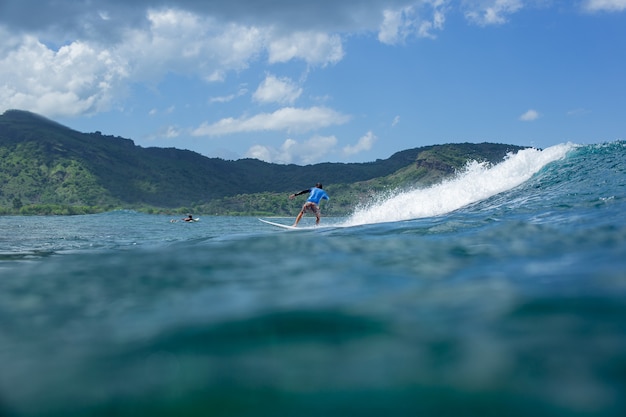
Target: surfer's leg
(316, 211)
(299, 217)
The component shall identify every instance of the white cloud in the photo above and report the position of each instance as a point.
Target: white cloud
(437, 22)
(491, 12)
(315, 48)
(222, 99)
(77, 78)
(260, 152)
(167, 132)
(155, 112)
(185, 43)
(225, 99)
(274, 90)
(170, 132)
(605, 5)
(104, 15)
(529, 116)
(395, 121)
(399, 24)
(85, 77)
(88, 76)
(287, 119)
(393, 23)
(291, 151)
(365, 143)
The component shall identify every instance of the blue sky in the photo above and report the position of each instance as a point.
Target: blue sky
(290, 81)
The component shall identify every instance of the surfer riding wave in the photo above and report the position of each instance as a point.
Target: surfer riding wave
(316, 194)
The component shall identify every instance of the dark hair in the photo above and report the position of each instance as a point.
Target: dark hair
(318, 185)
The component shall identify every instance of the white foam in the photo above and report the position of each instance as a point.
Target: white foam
(477, 182)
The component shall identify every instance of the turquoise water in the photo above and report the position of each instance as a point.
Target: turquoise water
(501, 292)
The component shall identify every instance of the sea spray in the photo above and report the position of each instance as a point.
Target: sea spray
(478, 181)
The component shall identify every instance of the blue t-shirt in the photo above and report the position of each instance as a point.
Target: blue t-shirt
(317, 194)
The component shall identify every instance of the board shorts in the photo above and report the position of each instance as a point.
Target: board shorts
(311, 207)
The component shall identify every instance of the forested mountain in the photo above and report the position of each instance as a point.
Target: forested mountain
(46, 167)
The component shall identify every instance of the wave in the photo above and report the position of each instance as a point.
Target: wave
(477, 182)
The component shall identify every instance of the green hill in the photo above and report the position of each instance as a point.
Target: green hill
(48, 168)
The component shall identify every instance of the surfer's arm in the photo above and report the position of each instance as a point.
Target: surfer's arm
(300, 193)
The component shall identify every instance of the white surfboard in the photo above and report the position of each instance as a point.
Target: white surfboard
(283, 226)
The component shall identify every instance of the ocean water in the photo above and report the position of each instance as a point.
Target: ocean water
(500, 292)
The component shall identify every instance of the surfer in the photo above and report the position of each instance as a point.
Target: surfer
(188, 218)
(316, 194)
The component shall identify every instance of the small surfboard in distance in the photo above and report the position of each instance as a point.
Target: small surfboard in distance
(282, 226)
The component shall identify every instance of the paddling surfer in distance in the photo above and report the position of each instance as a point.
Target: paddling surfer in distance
(316, 194)
(189, 218)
